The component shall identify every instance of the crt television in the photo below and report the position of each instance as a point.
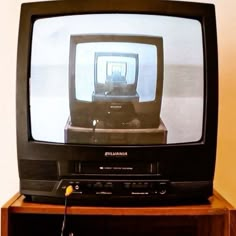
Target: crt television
(115, 83)
(118, 99)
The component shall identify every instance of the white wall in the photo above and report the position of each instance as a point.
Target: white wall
(225, 170)
(9, 20)
(225, 176)
(8, 43)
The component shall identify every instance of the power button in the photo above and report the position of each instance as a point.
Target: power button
(162, 188)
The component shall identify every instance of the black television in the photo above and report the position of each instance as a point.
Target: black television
(118, 99)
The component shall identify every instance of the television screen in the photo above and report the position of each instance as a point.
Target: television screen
(118, 73)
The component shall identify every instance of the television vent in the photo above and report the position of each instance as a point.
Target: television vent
(38, 170)
(33, 185)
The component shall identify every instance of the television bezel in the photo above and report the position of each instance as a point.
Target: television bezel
(183, 157)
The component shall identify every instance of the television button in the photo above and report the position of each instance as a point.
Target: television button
(98, 185)
(162, 192)
(127, 185)
(162, 188)
(108, 185)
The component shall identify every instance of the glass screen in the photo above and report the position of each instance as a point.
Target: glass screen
(117, 78)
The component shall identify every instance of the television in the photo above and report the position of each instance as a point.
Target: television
(117, 99)
(115, 85)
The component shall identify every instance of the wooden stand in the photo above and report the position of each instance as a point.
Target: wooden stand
(218, 218)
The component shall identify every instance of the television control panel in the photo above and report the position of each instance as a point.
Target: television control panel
(114, 187)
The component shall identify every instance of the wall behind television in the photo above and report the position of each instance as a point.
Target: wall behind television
(9, 20)
(225, 169)
(225, 174)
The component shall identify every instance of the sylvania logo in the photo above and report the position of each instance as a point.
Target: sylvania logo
(116, 154)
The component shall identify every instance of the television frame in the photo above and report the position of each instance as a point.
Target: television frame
(189, 166)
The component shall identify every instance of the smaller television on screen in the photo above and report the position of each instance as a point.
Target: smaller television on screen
(116, 83)
(116, 76)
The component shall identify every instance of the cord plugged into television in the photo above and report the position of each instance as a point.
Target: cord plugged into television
(68, 192)
(95, 122)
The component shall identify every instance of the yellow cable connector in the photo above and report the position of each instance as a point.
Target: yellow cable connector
(69, 190)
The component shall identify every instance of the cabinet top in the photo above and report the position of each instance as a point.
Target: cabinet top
(217, 205)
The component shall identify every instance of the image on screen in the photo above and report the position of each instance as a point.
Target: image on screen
(120, 72)
(115, 75)
(114, 68)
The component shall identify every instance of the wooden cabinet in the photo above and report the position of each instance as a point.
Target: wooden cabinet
(216, 218)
